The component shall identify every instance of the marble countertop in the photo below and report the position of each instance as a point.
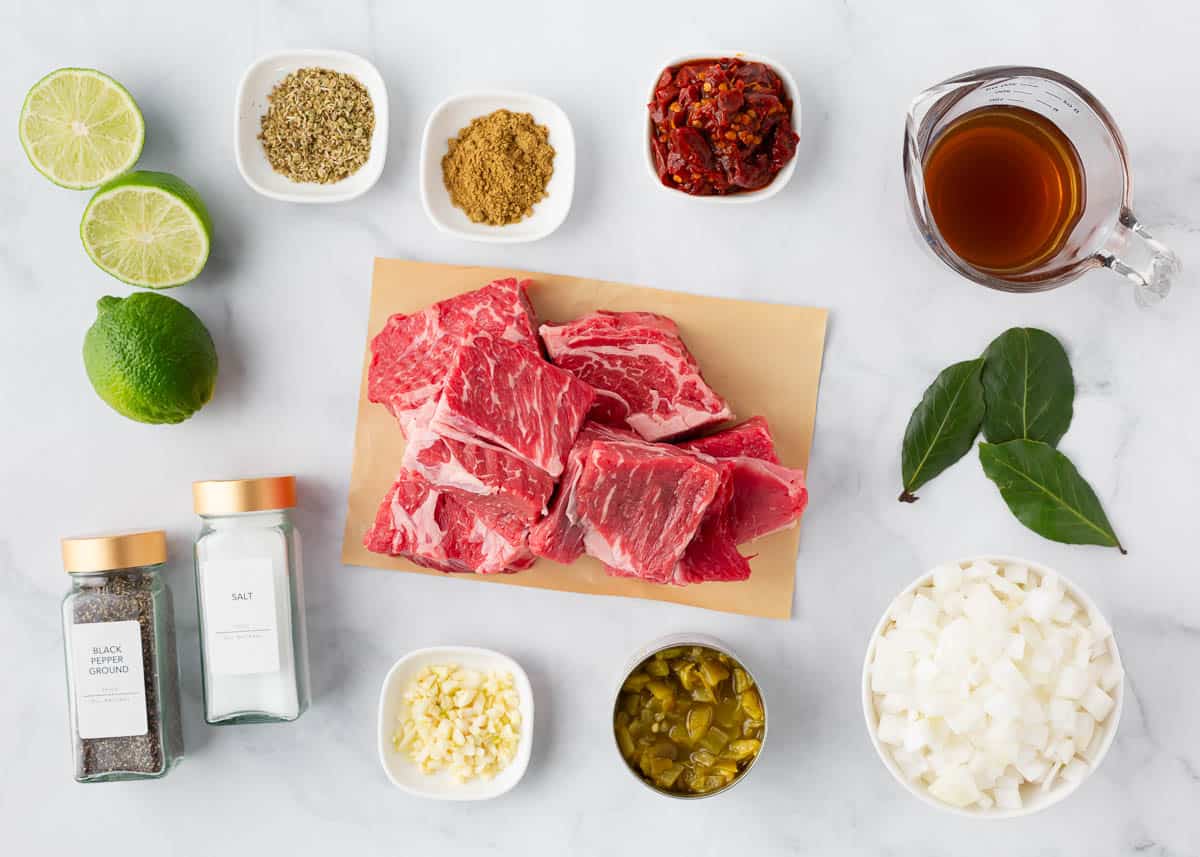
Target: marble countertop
(285, 295)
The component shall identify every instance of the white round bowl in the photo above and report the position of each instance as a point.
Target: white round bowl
(454, 114)
(258, 81)
(782, 177)
(668, 642)
(402, 772)
(1034, 799)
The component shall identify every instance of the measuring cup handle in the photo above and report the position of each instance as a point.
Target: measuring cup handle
(1139, 256)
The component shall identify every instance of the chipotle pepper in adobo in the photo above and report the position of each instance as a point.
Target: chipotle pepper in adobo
(720, 126)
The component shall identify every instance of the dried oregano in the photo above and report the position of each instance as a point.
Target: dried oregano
(318, 126)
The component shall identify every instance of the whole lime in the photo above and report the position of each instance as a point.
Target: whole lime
(150, 358)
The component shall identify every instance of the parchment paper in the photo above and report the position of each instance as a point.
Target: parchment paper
(764, 358)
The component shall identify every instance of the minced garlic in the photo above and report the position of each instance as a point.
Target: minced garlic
(460, 721)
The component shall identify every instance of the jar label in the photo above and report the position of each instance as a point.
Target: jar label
(110, 686)
(241, 631)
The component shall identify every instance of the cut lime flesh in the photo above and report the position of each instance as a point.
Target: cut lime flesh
(146, 235)
(80, 128)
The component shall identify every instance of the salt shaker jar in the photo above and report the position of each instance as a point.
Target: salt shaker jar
(122, 671)
(250, 595)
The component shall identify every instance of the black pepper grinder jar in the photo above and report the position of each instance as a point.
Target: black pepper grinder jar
(122, 671)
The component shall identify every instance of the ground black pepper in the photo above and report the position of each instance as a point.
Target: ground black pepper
(138, 596)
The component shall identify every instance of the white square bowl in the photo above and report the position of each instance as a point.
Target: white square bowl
(258, 81)
(402, 772)
(454, 114)
(781, 178)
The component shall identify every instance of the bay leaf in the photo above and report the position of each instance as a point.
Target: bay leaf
(1028, 387)
(1046, 493)
(943, 426)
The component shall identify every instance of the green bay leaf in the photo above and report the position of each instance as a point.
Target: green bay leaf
(943, 426)
(1046, 493)
(1028, 387)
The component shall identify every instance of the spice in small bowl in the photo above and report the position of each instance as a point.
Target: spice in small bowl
(497, 168)
(689, 719)
(318, 127)
(335, 157)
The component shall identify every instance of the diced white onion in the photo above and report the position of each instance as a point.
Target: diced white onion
(989, 680)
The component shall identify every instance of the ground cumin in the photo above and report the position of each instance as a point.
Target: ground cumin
(497, 167)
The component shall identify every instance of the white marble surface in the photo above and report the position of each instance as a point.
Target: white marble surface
(285, 296)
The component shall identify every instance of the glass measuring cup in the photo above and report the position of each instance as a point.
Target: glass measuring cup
(1106, 235)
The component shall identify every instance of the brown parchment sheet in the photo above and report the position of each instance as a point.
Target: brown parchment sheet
(764, 358)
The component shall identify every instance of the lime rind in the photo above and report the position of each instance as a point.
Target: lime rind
(92, 98)
(147, 229)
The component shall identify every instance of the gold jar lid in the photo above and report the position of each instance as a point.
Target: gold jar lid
(85, 554)
(233, 496)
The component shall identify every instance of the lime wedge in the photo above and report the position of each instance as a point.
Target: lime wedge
(148, 229)
(80, 128)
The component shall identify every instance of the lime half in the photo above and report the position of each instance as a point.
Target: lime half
(80, 128)
(148, 229)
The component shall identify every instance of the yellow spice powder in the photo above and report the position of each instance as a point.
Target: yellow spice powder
(497, 168)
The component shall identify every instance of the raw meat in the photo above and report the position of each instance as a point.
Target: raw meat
(509, 396)
(713, 553)
(751, 438)
(559, 535)
(767, 497)
(439, 530)
(410, 355)
(642, 505)
(497, 481)
(645, 377)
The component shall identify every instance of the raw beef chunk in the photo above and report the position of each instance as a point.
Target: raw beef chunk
(645, 377)
(410, 355)
(491, 477)
(559, 535)
(767, 497)
(438, 530)
(751, 438)
(713, 553)
(509, 396)
(641, 506)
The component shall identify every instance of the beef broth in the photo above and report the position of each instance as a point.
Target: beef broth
(1005, 188)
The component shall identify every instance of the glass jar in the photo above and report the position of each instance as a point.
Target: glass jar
(122, 671)
(250, 596)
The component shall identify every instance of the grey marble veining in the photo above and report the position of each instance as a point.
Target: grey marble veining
(285, 297)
